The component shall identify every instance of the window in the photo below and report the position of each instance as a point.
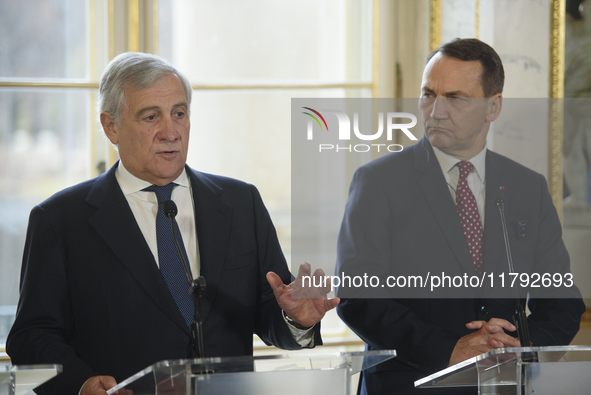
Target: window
(245, 66)
(47, 62)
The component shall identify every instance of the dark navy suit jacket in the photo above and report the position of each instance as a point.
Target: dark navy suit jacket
(400, 215)
(93, 299)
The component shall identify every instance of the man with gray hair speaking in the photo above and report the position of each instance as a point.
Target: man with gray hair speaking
(103, 291)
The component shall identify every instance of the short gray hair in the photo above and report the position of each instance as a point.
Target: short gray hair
(135, 70)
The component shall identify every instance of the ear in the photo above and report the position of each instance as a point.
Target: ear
(109, 127)
(494, 107)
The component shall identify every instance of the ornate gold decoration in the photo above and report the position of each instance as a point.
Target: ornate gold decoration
(555, 135)
(477, 20)
(155, 26)
(111, 29)
(557, 26)
(133, 36)
(434, 24)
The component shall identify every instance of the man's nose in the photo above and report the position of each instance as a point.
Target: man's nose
(440, 108)
(167, 129)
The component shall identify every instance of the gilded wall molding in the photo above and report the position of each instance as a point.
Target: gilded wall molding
(477, 20)
(376, 48)
(111, 30)
(555, 133)
(434, 24)
(155, 38)
(133, 25)
(557, 34)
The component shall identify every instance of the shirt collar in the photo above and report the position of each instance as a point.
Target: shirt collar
(131, 184)
(447, 162)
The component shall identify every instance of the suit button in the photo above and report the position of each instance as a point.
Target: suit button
(484, 310)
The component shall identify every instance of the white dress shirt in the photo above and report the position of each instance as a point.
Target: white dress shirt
(144, 206)
(476, 178)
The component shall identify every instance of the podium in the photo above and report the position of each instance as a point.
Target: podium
(20, 380)
(293, 374)
(521, 370)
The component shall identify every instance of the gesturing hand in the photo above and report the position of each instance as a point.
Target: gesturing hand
(306, 311)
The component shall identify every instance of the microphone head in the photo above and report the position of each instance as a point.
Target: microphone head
(499, 196)
(170, 208)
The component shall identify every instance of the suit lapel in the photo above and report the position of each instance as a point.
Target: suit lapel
(435, 190)
(213, 219)
(115, 223)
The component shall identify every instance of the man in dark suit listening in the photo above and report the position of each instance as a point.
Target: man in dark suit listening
(432, 207)
(103, 291)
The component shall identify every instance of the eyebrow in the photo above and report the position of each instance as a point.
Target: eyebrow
(146, 109)
(446, 94)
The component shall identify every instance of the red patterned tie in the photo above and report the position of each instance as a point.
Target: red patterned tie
(468, 212)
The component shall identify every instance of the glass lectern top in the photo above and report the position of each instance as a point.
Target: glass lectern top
(169, 371)
(21, 379)
(498, 365)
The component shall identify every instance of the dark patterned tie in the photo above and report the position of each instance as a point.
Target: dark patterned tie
(171, 266)
(468, 212)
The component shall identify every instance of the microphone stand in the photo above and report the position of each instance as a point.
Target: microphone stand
(196, 289)
(519, 317)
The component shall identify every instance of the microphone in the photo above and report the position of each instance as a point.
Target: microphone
(170, 209)
(196, 287)
(519, 317)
